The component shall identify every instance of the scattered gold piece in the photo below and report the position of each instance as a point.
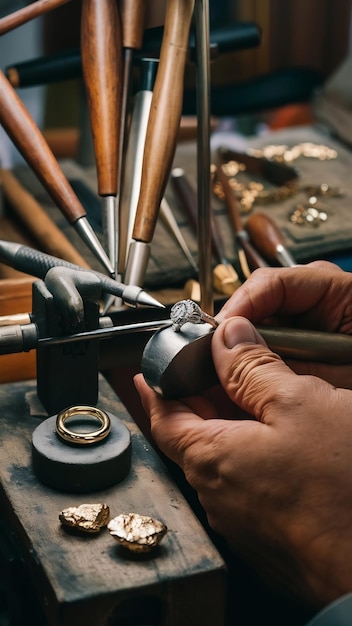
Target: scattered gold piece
(306, 149)
(89, 518)
(137, 533)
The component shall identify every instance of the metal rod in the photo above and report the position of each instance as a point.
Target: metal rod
(203, 154)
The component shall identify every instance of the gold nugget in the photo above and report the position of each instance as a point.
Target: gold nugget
(89, 518)
(137, 533)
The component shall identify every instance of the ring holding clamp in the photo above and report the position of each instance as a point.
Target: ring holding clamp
(83, 438)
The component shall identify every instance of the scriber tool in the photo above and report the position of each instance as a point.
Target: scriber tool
(161, 137)
(101, 49)
(29, 140)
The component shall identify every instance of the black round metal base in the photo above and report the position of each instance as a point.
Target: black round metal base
(76, 468)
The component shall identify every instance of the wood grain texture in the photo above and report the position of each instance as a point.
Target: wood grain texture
(29, 140)
(132, 18)
(35, 9)
(37, 222)
(165, 115)
(101, 49)
(84, 579)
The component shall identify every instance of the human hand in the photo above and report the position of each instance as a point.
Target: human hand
(316, 296)
(277, 485)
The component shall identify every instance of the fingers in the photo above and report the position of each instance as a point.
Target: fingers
(291, 291)
(254, 378)
(174, 426)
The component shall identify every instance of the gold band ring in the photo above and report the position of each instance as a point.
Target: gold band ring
(83, 438)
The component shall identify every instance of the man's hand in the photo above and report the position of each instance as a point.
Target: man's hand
(270, 458)
(317, 296)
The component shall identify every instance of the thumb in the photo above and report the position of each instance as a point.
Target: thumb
(253, 377)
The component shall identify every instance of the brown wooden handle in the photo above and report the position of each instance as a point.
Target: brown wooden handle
(37, 222)
(253, 257)
(165, 115)
(29, 140)
(264, 234)
(11, 21)
(132, 18)
(101, 51)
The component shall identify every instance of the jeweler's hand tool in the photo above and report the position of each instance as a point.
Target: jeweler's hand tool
(132, 21)
(171, 225)
(26, 135)
(179, 364)
(101, 48)
(133, 163)
(34, 9)
(162, 131)
(268, 239)
(37, 264)
(25, 337)
(225, 277)
(248, 256)
(37, 221)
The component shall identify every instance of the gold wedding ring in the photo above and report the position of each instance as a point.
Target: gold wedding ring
(83, 412)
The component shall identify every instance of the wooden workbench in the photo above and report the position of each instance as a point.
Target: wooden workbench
(89, 579)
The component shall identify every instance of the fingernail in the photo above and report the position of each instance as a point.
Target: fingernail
(238, 330)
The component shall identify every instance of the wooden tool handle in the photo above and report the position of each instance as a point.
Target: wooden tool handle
(254, 259)
(264, 234)
(11, 21)
(165, 115)
(37, 222)
(102, 70)
(132, 18)
(29, 140)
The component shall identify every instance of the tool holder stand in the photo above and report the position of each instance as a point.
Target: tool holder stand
(66, 374)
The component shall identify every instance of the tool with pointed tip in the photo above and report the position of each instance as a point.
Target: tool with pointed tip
(102, 71)
(171, 225)
(132, 21)
(133, 163)
(268, 239)
(248, 256)
(162, 131)
(29, 140)
(37, 264)
(225, 277)
(27, 13)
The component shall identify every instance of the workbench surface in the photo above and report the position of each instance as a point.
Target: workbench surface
(90, 579)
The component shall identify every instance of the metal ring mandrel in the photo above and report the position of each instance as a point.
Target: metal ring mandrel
(189, 311)
(83, 412)
(179, 364)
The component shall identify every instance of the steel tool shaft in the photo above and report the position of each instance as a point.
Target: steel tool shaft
(102, 71)
(225, 276)
(26, 135)
(132, 20)
(132, 170)
(37, 264)
(163, 125)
